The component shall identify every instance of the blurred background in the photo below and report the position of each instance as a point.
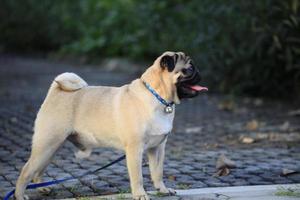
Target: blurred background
(247, 51)
(242, 47)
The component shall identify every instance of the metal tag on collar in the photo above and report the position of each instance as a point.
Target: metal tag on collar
(168, 109)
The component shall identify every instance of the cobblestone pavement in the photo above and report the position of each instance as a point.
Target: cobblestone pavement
(205, 128)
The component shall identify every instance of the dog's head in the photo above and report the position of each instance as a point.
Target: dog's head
(184, 74)
(174, 76)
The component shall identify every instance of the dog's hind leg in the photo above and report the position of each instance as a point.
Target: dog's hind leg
(38, 179)
(43, 149)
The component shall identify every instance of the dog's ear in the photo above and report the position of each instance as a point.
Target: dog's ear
(167, 62)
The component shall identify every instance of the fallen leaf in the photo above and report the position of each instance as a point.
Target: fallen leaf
(294, 113)
(258, 102)
(261, 136)
(196, 129)
(222, 172)
(271, 136)
(252, 125)
(227, 105)
(224, 162)
(286, 172)
(285, 126)
(279, 137)
(223, 165)
(247, 140)
(172, 178)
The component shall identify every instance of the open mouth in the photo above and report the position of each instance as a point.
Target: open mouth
(197, 88)
(187, 87)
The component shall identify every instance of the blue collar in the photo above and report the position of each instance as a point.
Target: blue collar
(158, 97)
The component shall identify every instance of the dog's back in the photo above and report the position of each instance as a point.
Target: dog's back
(76, 108)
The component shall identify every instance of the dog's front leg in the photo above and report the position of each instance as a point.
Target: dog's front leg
(134, 156)
(156, 157)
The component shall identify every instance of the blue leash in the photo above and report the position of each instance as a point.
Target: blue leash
(44, 184)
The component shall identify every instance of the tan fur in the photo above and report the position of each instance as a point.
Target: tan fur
(70, 82)
(128, 118)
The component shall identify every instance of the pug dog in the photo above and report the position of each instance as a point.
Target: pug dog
(136, 118)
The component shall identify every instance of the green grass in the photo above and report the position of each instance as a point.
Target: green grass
(160, 194)
(290, 192)
(121, 196)
(183, 186)
(124, 191)
(73, 188)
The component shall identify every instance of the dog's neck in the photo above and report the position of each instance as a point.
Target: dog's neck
(159, 81)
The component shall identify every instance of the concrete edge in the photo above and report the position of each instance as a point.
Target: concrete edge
(267, 190)
(234, 189)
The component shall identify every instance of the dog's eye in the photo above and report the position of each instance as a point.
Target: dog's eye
(188, 71)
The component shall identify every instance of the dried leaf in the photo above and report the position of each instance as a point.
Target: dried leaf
(172, 178)
(247, 140)
(222, 172)
(252, 125)
(196, 129)
(227, 105)
(223, 166)
(286, 172)
(262, 136)
(258, 102)
(285, 126)
(224, 162)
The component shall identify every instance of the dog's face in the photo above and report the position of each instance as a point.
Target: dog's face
(184, 74)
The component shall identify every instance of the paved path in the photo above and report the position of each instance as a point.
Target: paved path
(201, 134)
(261, 192)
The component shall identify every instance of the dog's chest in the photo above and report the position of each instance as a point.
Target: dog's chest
(161, 123)
(159, 128)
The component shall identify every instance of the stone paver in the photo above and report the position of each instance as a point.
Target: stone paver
(261, 192)
(202, 132)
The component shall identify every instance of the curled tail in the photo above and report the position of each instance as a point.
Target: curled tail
(69, 82)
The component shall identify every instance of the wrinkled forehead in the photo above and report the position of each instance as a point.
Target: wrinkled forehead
(178, 56)
(172, 53)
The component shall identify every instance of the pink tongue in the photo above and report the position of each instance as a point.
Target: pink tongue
(198, 88)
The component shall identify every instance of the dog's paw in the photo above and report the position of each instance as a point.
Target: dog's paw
(25, 197)
(141, 197)
(168, 191)
(44, 190)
